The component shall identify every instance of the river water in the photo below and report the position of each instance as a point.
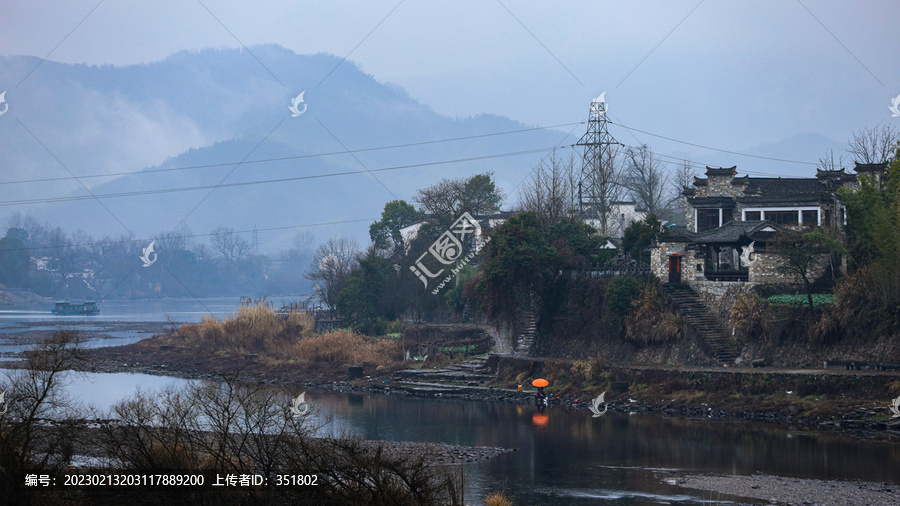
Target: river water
(567, 456)
(151, 310)
(562, 456)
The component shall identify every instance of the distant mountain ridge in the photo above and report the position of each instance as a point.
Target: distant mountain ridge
(222, 107)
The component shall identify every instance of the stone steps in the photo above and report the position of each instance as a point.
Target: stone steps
(467, 374)
(443, 375)
(528, 332)
(705, 325)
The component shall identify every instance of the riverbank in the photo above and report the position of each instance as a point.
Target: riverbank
(784, 490)
(87, 449)
(847, 402)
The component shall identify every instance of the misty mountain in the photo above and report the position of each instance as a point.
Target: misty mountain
(189, 120)
(202, 113)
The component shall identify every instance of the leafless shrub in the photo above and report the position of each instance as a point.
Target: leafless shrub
(233, 428)
(33, 397)
(864, 303)
(651, 321)
(751, 316)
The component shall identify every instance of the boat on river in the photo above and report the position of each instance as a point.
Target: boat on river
(87, 307)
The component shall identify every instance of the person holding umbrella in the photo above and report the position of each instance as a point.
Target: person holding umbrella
(540, 399)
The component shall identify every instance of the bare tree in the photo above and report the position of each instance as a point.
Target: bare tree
(178, 239)
(449, 198)
(552, 189)
(330, 268)
(34, 396)
(65, 253)
(240, 427)
(874, 145)
(301, 250)
(645, 179)
(802, 256)
(681, 179)
(827, 161)
(229, 243)
(600, 187)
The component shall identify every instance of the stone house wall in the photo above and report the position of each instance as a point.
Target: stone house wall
(720, 186)
(719, 296)
(659, 261)
(765, 269)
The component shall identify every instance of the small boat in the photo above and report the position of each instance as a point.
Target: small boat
(87, 307)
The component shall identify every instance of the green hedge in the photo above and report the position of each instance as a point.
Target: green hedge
(801, 300)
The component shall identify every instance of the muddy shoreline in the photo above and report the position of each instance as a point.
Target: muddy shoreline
(154, 356)
(786, 490)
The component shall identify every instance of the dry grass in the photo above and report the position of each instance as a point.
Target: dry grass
(751, 315)
(650, 321)
(343, 347)
(257, 328)
(497, 499)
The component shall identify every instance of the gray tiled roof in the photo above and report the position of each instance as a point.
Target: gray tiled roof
(764, 190)
(767, 190)
(676, 233)
(721, 171)
(734, 231)
(731, 232)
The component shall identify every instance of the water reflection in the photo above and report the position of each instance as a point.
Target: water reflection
(568, 456)
(617, 456)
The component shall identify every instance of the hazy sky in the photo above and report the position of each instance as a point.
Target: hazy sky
(728, 74)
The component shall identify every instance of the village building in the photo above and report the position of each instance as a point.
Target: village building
(621, 214)
(731, 218)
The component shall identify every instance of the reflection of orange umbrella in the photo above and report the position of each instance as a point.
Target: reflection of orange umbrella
(540, 382)
(540, 420)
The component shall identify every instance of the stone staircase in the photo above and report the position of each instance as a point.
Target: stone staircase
(711, 333)
(527, 333)
(467, 376)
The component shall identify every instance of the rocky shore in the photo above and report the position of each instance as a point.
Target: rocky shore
(794, 491)
(87, 449)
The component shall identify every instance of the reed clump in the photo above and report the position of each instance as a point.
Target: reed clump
(497, 499)
(345, 347)
(257, 328)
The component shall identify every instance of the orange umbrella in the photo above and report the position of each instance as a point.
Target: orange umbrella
(540, 382)
(540, 420)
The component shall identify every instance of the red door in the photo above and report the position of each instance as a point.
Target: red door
(675, 270)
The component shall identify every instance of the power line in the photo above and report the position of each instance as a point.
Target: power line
(694, 164)
(286, 158)
(716, 149)
(263, 181)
